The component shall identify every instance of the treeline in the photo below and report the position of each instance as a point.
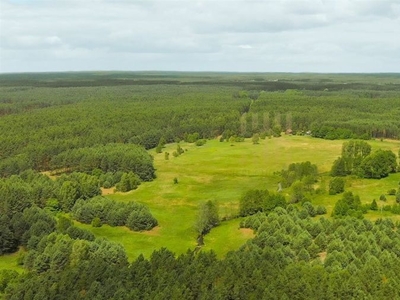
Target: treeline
(292, 256)
(108, 158)
(326, 114)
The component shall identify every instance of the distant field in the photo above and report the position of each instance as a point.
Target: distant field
(222, 171)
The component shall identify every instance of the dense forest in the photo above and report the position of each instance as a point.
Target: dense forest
(66, 137)
(46, 114)
(293, 256)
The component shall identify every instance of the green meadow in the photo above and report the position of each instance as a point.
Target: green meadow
(222, 172)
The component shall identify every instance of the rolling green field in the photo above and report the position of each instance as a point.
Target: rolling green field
(223, 171)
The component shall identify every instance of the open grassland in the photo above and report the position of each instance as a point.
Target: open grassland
(223, 171)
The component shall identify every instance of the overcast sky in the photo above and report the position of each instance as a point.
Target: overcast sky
(214, 35)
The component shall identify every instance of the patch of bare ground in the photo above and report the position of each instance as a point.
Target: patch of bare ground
(154, 232)
(50, 175)
(105, 191)
(247, 232)
(322, 256)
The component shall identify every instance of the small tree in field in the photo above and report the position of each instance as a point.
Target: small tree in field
(336, 186)
(255, 138)
(374, 205)
(96, 222)
(207, 218)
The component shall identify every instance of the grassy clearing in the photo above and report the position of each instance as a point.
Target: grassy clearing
(10, 262)
(222, 171)
(227, 237)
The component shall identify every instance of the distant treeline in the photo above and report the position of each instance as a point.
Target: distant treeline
(44, 115)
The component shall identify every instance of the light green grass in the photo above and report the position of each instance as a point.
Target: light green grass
(10, 262)
(227, 237)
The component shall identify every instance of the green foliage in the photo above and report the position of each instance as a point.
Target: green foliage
(8, 242)
(129, 181)
(108, 158)
(378, 164)
(159, 148)
(353, 153)
(374, 205)
(63, 223)
(274, 200)
(208, 217)
(310, 209)
(75, 186)
(392, 192)
(166, 155)
(286, 250)
(6, 276)
(336, 185)
(320, 210)
(24, 229)
(96, 222)
(298, 171)
(357, 159)
(175, 180)
(253, 221)
(77, 233)
(179, 149)
(252, 201)
(141, 219)
(348, 205)
(297, 191)
(133, 215)
(255, 139)
(192, 138)
(339, 167)
(201, 142)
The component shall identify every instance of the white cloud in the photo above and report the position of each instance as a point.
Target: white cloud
(245, 47)
(234, 35)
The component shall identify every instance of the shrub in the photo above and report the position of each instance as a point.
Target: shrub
(320, 210)
(374, 205)
(96, 222)
(201, 142)
(336, 186)
(141, 220)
